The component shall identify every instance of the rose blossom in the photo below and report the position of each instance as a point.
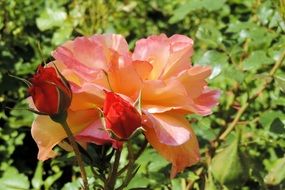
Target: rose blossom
(159, 71)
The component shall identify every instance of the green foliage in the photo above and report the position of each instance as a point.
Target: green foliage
(276, 175)
(230, 167)
(240, 40)
(12, 180)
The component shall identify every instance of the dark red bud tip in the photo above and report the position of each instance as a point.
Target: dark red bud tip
(49, 91)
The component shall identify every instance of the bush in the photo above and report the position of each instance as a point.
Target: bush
(242, 143)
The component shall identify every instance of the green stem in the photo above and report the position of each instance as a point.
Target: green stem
(136, 156)
(199, 173)
(143, 147)
(277, 64)
(130, 166)
(77, 153)
(234, 122)
(111, 181)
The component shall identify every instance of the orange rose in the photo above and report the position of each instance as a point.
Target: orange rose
(159, 71)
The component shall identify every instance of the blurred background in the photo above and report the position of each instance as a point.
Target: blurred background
(243, 41)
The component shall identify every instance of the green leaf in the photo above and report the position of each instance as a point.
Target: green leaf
(214, 59)
(228, 167)
(277, 21)
(260, 38)
(75, 185)
(256, 60)
(205, 132)
(231, 72)
(237, 27)
(176, 184)
(13, 180)
(50, 180)
(211, 183)
(280, 80)
(181, 12)
(215, 5)
(277, 127)
(265, 12)
(277, 174)
(268, 117)
(209, 34)
(157, 163)
(37, 180)
(62, 34)
(1, 22)
(50, 18)
(138, 181)
(20, 115)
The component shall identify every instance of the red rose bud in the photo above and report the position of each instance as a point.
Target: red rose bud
(50, 92)
(120, 116)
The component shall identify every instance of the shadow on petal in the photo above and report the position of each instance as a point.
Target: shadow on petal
(96, 134)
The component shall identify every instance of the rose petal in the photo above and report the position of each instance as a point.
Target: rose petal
(121, 72)
(113, 41)
(181, 49)
(163, 93)
(181, 156)
(87, 96)
(92, 54)
(96, 133)
(168, 56)
(194, 80)
(180, 93)
(94, 51)
(66, 56)
(143, 68)
(205, 102)
(155, 50)
(95, 54)
(47, 133)
(169, 129)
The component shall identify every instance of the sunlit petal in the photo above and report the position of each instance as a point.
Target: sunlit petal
(113, 41)
(205, 102)
(123, 77)
(194, 80)
(169, 129)
(87, 96)
(155, 50)
(168, 56)
(181, 49)
(180, 156)
(163, 94)
(143, 68)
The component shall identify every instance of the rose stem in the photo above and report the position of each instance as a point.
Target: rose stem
(77, 153)
(110, 183)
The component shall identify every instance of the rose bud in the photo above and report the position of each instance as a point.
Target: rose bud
(121, 118)
(50, 91)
